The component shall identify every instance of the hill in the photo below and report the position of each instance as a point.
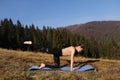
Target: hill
(98, 29)
(14, 65)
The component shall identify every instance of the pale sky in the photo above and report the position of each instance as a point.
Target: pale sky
(57, 13)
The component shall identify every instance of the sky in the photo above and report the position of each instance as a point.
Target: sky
(59, 13)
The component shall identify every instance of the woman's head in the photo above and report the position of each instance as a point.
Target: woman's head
(79, 48)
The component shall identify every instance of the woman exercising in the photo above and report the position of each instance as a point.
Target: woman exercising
(68, 51)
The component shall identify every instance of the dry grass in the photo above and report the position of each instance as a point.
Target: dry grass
(14, 65)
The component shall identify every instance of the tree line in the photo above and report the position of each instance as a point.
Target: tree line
(12, 36)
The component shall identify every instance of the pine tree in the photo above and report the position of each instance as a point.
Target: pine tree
(19, 34)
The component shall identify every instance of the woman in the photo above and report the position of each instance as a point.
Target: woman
(68, 51)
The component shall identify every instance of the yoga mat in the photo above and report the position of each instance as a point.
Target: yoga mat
(66, 68)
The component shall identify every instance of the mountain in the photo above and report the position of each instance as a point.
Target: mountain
(98, 29)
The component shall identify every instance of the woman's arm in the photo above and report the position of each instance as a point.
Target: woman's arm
(72, 58)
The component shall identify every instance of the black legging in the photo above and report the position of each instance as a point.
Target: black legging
(56, 55)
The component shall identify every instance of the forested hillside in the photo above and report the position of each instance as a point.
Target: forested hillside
(12, 36)
(103, 30)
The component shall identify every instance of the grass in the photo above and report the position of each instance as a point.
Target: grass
(14, 65)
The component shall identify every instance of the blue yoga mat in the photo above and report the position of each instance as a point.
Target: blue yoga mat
(66, 68)
(34, 68)
(37, 68)
(80, 68)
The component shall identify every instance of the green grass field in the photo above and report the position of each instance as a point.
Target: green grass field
(14, 65)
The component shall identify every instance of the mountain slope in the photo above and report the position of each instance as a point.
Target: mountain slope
(15, 65)
(98, 29)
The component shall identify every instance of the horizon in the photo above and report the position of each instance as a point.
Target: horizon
(61, 13)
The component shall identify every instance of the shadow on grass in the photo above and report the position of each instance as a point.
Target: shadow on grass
(83, 63)
(76, 63)
(53, 66)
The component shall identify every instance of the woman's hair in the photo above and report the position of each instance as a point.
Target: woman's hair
(82, 46)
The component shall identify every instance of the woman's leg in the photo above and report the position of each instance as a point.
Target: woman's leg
(56, 55)
(56, 60)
